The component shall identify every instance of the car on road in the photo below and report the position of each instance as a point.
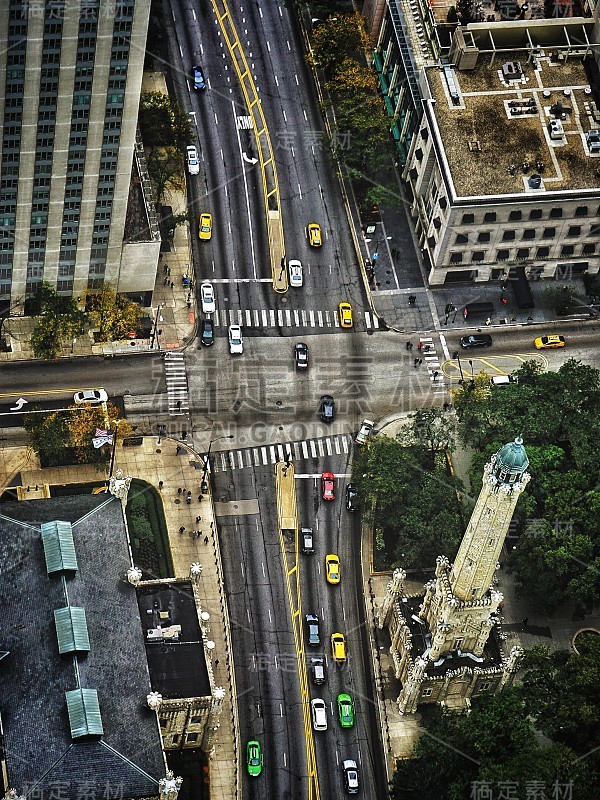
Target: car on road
(295, 268)
(207, 297)
(547, 342)
(193, 164)
(327, 408)
(338, 647)
(317, 668)
(199, 82)
(350, 771)
(205, 227)
(301, 355)
(477, 340)
(236, 343)
(207, 332)
(319, 714)
(312, 627)
(332, 569)
(254, 759)
(503, 380)
(94, 396)
(366, 427)
(328, 486)
(345, 312)
(313, 232)
(345, 710)
(351, 497)
(308, 543)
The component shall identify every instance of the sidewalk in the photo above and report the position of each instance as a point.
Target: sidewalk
(154, 463)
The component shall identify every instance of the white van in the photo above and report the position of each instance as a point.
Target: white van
(319, 714)
(503, 380)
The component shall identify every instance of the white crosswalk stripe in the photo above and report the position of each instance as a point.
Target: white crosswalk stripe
(263, 456)
(432, 362)
(289, 318)
(177, 386)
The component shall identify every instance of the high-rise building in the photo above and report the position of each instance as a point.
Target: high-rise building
(68, 107)
(445, 641)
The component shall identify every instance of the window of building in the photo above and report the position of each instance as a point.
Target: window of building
(543, 252)
(529, 233)
(457, 643)
(478, 255)
(426, 692)
(456, 258)
(581, 211)
(484, 236)
(508, 236)
(522, 252)
(588, 249)
(64, 286)
(489, 216)
(419, 154)
(175, 738)
(549, 233)
(461, 238)
(484, 686)
(163, 722)
(467, 219)
(556, 213)
(503, 255)
(574, 230)
(567, 250)
(535, 213)
(515, 216)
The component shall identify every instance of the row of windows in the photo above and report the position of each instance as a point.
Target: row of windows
(524, 253)
(530, 233)
(535, 213)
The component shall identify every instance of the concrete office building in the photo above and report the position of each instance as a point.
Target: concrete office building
(69, 106)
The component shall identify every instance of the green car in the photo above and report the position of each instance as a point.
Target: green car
(254, 759)
(345, 710)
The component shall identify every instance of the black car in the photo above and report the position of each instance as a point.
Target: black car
(207, 332)
(326, 408)
(478, 340)
(351, 497)
(301, 355)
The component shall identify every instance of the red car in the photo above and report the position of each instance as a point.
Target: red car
(328, 483)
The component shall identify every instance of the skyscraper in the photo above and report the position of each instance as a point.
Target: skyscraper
(69, 108)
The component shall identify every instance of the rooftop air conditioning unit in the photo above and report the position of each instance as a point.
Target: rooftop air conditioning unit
(555, 129)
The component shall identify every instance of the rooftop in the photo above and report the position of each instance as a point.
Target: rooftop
(496, 134)
(34, 678)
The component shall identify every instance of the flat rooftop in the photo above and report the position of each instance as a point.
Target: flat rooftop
(41, 755)
(499, 125)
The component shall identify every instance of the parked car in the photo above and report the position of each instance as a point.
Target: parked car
(350, 771)
(254, 759)
(313, 232)
(477, 340)
(301, 355)
(351, 497)
(327, 408)
(546, 342)
(328, 486)
(236, 343)
(93, 396)
(312, 627)
(308, 545)
(199, 82)
(365, 429)
(295, 268)
(207, 333)
(193, 164)
(319, 714)
(332, 569)
(207, 297)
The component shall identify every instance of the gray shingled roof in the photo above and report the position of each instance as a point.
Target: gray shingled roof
(34, 677)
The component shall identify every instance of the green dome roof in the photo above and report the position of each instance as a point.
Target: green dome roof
(512, 458)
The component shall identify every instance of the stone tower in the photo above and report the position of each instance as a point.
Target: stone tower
(458, 609)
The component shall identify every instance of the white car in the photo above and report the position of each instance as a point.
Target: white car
(207, 297)
(192, 160)
(295, 268)
(319, 714)
(236, 343)
(365, 430)
(94, 396)
(350, 776)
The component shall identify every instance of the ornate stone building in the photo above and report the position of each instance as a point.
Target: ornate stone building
(445, 642)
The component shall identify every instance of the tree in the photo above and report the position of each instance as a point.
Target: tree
(114, 314)
(430, 429)
(561, 298)
(58, 318)
(336, 37)
(163, 122)
(473, 407)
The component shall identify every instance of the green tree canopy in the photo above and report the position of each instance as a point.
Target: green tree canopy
(58, 320)
(114, 314)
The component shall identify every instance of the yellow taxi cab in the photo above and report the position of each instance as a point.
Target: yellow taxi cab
(332, 568)
(545, 342)
(345, 312)
(338, 647)
(313, 231)
(205, 227)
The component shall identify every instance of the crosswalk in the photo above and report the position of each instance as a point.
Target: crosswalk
(177, 386)
(285, 318)
(432, 362)
(270, 454)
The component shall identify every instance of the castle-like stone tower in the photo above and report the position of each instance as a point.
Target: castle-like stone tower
(458, 609)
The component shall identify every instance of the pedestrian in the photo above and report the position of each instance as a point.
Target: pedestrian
(172, 285)
(435, 374)
(501, 607)
(488, 321)
(160, 485)
(182, 529)
(198, 519)
(179, 490)
(191, 286)
(206, 540)
(420, 361)
(420, 346)
(166, 280)
(455, 354)
(189, 305)
(524, 622)
(169, 271)
(217, 663)
(166, 268)
(416, 362)
(200, 498)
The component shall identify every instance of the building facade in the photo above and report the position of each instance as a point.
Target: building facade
(445, 641)
(69, 106)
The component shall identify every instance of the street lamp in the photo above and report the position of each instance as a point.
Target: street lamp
(204, 484)
(462, 377)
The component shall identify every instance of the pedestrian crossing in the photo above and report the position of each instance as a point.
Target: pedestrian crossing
(269, 454)
(429, 355)
(177, 386)
(285, 318)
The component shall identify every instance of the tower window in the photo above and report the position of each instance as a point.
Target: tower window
(457, 643)
(426, 692)
(492, 542)
(484, 687)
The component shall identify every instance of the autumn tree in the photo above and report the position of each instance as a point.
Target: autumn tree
(58, 319)
(113, 314)
(334, 37)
